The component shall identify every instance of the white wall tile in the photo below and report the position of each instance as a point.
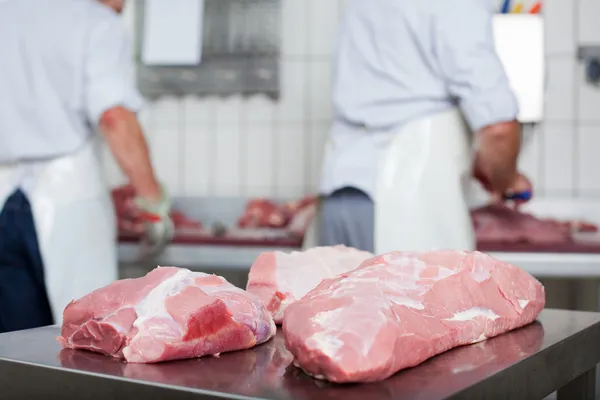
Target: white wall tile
(258, 109)
(199, 109)
(324, 21)
(197, 159)
(259, 168)
(165, 145)
(198, 146)
(531, 155)
(290, 160)
(559, 17)
(588, 101)
(164, 112)
(560, 90)
(319, 96)
(294, 27)
(558, 159)
(226, 169)
(291, 106)
(589, 29)
(319, 135)
(228, 111)
(589, 160)
(145, 117)
(112, 173)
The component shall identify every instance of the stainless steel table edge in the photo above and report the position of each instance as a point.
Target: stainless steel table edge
(54, 383)
(572, 380)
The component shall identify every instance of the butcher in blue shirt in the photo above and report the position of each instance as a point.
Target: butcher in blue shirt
(422, 105)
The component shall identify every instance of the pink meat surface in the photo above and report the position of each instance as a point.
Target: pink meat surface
(171, 313)
(399, 309)
(293, 215)
(279, 279)
(501, 224)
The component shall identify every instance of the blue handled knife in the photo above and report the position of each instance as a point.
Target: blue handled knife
(523, 196)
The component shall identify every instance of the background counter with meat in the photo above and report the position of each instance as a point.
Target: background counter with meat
(227, 234)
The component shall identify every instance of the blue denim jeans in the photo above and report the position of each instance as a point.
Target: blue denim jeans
(348, 218)
(23, 300)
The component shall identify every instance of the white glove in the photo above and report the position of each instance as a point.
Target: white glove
(159, 229)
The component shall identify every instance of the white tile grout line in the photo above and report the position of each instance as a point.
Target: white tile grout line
(243, 141)
(541, 157)
(306, 123)
(212, 126)
(576, 90)
(181, 155)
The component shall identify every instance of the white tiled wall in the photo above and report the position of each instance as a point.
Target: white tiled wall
(257, 147)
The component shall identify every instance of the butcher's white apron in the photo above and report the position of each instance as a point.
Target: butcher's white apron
(75, 224)
(310, 239)
(422, 187)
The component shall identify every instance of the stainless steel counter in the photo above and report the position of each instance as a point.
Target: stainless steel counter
(562, 348)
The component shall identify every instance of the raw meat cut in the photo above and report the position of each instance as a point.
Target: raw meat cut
(401, 308)
(501, 224)
(279, 279)
(171, 313)
(455, 370)
(129, 220)
(245, 373)
(262, 213)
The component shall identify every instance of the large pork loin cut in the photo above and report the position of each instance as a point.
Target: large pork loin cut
(399, 309)
(279, 278)
(171, 313)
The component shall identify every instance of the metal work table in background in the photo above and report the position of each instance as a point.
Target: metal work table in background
(558, 352)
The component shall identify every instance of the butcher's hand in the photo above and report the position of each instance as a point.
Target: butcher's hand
(520, 185)
(158, 225)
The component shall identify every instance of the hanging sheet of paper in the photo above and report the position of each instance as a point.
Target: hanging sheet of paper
(520, 45)
(173, 32)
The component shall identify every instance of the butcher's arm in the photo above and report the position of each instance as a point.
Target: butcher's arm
(112, 100)
(126, 141)
(499, 148)
(476, 78)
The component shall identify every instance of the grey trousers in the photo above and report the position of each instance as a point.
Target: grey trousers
(347, 217)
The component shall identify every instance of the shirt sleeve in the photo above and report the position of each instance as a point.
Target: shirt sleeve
(108, 70)
(474, 74)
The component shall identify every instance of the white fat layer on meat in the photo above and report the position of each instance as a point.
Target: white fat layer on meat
(480, 275)
(279, 313)
(444, 273)
(481, 338)
(406, 301)
(320, 377)
(321, 263)
(472, 313)
(154, 304)
(348, 285)
(327, 318)
(523, 303)
(326, 342)
(292, 277)
(407, 263)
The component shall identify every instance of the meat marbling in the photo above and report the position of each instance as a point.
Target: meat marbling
(399, 309)
(279, 279)
(171, 313)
